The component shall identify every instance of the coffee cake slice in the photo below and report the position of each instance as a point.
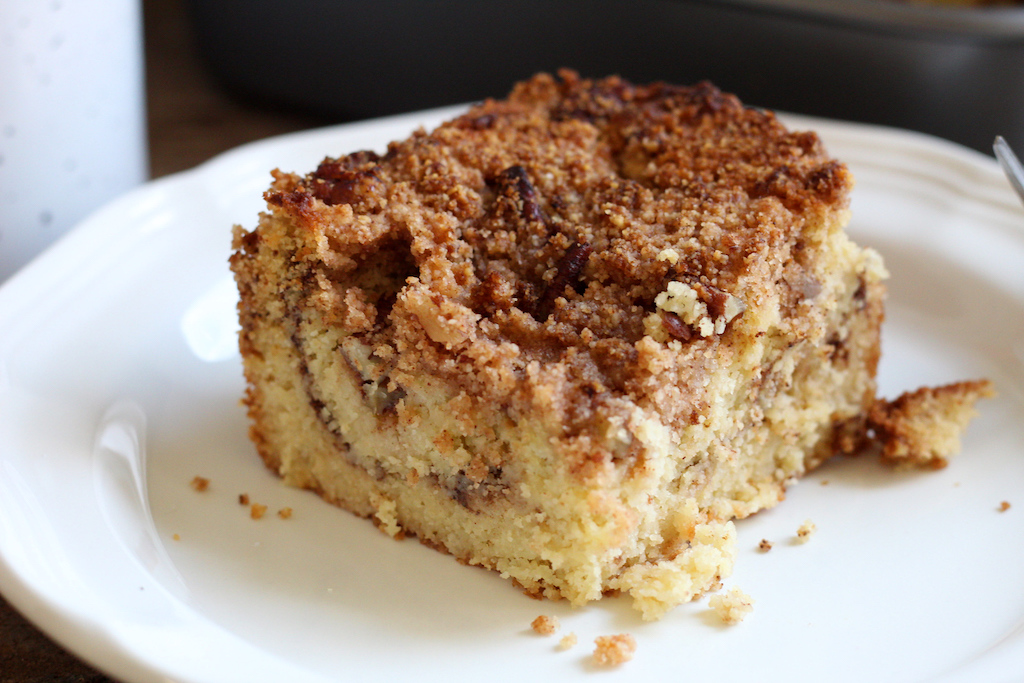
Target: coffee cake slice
(568, 336)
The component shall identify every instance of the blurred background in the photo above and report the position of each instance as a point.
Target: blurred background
(219, 73)
(955, 72)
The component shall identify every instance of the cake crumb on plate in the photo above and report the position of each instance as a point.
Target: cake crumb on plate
(257, 511)
(804, 532)
(614, 650)
(733, 606)
(765, 545)
(545, 625)
(567, 642)
(200, 483)
(1004, 506)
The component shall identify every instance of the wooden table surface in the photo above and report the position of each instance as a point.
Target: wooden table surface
(190, 120)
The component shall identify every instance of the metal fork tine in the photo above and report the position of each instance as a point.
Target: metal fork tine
(1012, 167)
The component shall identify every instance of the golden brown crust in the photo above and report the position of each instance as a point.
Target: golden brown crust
(922, 428)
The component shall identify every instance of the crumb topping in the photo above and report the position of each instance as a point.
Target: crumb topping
(520, 250)
(614, 650)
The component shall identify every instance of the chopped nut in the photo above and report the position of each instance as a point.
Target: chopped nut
(805, 531)
(765, 545)
(257, 511)
(722, 306)
(341, 181)
(675, 327)
(733, 606)
(545, 625)
(568, 271)
(514, 183)
(614, 650)
(704, 309)
(200, 483)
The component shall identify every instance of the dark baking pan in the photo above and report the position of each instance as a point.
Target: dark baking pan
(956, 73)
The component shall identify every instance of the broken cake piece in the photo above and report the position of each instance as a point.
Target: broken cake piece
(922, 428)
(568, 336)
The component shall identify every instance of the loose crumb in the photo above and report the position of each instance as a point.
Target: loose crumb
(285, 513)
(805, 531)
(824, 482)
(765, 545)
(567, 642)
(257, 511)
(176, 537)
(243, 499)
(1004, 506)
(545, 625)
(733, 606)
(200, 483)
(614, 650)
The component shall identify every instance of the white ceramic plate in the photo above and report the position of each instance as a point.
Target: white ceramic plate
(119, 383)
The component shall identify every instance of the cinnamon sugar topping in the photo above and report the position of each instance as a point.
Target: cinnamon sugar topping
(542, 230)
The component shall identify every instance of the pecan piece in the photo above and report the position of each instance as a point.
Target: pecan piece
(481, 122)
(567, 273)
(342, 181)
(675, 327)
(722, 306)
(514, 183)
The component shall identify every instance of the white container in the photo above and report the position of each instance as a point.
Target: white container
(72, 116)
